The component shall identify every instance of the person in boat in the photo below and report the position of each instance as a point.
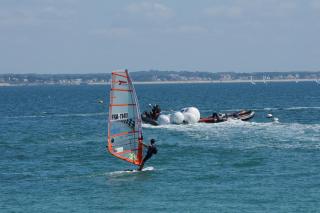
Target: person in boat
(215, 117)
(157, 109)
(147, 114)
(152, 149)
(218, 117)
(155, 112)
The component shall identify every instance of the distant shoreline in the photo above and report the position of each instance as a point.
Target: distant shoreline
(175, 82)
(226, 81)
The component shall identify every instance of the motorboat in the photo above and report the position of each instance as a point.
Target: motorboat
(243, 115)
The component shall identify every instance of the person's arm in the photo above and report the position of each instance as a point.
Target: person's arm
(140, 141)
(145, 145)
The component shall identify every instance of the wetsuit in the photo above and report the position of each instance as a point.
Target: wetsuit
(155, 112)
(152, 149)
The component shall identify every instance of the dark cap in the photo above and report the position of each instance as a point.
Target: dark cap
(152, 140)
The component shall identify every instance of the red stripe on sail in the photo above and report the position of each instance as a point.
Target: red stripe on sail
(121, 90)
(114, 73)
(123, 133)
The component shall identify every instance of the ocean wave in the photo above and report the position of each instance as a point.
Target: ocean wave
(45, 114)
(286, 108)
(298, 108)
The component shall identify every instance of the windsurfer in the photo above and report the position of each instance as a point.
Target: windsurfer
(152, 149)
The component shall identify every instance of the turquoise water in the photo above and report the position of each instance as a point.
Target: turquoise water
(53, 158)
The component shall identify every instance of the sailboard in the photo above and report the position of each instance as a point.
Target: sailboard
(124, 122)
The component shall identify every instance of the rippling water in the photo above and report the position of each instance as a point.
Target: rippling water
(52, 142)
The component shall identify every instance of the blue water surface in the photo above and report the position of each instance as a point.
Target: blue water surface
(53, 156)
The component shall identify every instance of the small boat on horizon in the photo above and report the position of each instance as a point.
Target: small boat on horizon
(252, 82)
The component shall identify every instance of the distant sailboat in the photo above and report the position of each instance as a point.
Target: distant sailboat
(124, 122)
(252, 82)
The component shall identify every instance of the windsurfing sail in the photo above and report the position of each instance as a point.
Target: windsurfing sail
(124, 123)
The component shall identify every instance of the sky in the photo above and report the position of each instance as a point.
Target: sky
(97, 36)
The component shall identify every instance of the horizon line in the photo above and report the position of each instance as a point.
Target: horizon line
(154, 70)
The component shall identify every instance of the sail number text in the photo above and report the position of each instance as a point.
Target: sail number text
(119, 116)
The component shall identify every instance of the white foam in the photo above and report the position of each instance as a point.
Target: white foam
(301, 107)
(269, 109)
(288, 108)
(251, 134)
(144, 125)
(149, 168)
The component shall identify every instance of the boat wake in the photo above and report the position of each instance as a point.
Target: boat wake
(235, 133)
(265, 109)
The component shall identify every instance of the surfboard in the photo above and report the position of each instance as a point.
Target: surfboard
(124, 121)
(146, 169)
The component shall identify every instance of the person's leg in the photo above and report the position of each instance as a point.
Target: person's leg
(141, 166)
(143, 161)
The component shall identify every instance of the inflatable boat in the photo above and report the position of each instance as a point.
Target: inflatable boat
(146, 118)
(243, 115)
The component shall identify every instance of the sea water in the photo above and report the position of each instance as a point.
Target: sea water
(53, 151)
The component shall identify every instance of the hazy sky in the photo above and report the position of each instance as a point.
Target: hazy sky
(86, 36)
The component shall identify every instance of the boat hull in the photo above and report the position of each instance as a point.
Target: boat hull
(148, 120)
(244, 115)
(247, 115)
